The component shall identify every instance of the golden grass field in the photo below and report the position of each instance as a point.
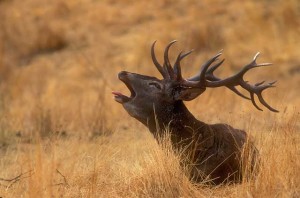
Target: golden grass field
(63, 134)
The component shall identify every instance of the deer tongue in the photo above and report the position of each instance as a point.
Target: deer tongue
(119, 97)
(117, 93)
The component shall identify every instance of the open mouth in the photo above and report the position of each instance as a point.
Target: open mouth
(119, 97)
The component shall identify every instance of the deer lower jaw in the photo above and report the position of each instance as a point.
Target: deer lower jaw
(120, 98)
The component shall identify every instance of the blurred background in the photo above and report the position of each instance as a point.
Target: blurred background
(59, 59)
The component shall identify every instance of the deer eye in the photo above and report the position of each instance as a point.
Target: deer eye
(154, 84)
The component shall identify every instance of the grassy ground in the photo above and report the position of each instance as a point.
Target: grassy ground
(64, 136)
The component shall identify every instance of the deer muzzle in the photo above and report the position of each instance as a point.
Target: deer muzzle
(118, 96)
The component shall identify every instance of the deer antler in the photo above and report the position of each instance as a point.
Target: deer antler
(206, 78)
(156, 63)
(166, 70)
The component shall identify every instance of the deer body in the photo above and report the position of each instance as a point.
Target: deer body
(214, 150)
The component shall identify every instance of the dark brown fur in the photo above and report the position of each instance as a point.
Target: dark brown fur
(215, 151)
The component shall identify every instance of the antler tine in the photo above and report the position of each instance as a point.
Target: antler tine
(261, 64)
(177, 67)
(210, 72)
(156, 63)
(258, 89)
(232, 88)
(204, 68)
(210, 76)
(260, 83)
(261, 99)
(253, 101)
(199, 80)
(253, 64)
(167, 64)
(256, 56)
(272, 83)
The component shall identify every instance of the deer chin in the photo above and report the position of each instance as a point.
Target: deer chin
(119, 97)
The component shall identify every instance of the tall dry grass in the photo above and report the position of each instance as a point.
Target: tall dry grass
(125, 165)
(58, 65)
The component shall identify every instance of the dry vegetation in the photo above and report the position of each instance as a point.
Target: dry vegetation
(64, 136)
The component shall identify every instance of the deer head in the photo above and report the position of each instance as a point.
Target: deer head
(150, 94)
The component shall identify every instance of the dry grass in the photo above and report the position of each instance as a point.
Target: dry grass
(58, 65)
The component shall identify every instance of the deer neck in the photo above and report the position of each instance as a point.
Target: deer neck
(175, 118)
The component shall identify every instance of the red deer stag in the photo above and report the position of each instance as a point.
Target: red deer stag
(158, 104)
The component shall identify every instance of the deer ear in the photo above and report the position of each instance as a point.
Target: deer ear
(188, 93)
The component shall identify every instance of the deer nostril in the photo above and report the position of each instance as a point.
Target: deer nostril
(122, 74)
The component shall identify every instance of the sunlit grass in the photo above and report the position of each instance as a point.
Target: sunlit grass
(131, 164)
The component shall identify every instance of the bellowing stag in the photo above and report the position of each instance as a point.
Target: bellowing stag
(159, 105)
